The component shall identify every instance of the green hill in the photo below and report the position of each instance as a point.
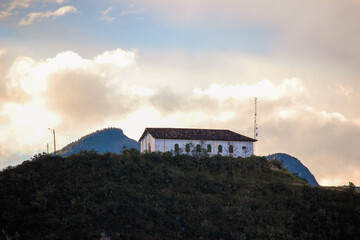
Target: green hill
(160, 196)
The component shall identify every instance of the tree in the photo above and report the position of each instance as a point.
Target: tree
(199, 150)
(231, 150)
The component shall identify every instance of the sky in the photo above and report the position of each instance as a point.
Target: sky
(80, 66)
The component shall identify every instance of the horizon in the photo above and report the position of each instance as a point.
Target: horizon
(81, 66)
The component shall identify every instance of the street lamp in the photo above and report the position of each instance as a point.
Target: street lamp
(53, 130)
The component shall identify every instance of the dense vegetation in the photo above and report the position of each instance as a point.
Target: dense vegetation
(160, 196)
(293, 165)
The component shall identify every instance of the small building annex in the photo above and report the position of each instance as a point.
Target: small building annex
(185, 140)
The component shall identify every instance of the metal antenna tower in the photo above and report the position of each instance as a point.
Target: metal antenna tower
(255, 123)
(255, 126)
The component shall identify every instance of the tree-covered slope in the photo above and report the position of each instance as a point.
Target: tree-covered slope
(294, 165)
(160, 196)
(102, 141)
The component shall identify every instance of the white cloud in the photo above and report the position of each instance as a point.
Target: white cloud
(105, 16)
(118, 58)
(13, 5)
(55, 1)
(108, 19)
(132, 10)
(107, 10)
(264, 89)
(39, 16)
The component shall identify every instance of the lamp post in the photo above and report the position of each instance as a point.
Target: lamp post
(53, 130)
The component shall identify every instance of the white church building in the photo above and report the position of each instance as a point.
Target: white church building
(186, 140)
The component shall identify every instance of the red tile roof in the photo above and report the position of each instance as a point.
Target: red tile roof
(196, 134)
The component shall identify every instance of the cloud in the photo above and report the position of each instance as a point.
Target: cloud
(39, 16)
(169, 101)
(223, 98)
(107, 10)
(117, 58)
(132, 10)
(2, 53)
(105, 16)
(66, 92)
(264, 89)
(82, 97)
(11, 7)
(55, 1)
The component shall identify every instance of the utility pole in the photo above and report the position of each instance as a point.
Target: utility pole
(53, 130)
(47, 148)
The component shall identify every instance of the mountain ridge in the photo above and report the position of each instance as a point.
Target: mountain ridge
(294, 165)
(106, 140)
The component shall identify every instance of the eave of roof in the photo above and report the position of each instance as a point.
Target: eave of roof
(196, 134)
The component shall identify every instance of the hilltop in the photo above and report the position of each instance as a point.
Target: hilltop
(160, 196)
(294, 165)
(102, 141)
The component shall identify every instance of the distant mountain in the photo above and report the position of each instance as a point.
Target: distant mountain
(106, 140)
(293, 165)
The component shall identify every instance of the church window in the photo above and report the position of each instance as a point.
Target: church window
(187, 147)
(231, 149)
(198, 148)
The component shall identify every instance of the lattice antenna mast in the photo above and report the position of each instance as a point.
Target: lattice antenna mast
(255, 123)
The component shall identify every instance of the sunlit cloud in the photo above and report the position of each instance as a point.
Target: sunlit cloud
(66, 92)
(12, 6)
(2, 53)
(117, 58)
(264, 89)
(344, 90)
(40, 16)
(55, 1)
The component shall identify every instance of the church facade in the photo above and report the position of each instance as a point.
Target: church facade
(188, 141)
